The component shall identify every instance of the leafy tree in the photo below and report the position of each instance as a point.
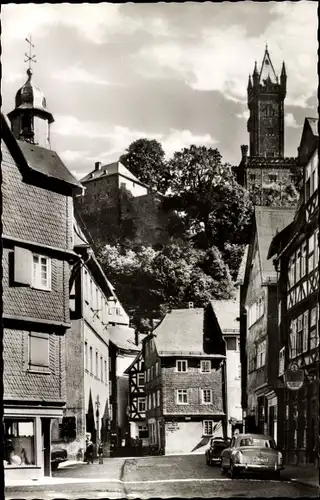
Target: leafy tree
(149, 282)
(145, 159)
(275, 195)
(213, 207)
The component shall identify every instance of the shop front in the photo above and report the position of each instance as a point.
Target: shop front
(27, 441)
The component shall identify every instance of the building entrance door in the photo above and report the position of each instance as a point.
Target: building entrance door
(46, 445)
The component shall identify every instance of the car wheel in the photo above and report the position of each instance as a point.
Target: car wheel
(276, 475)
(54, 466)
(223, 469)
(207, 460)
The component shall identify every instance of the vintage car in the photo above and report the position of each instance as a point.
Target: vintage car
(252, 453)
(58, 455)
(216, 446)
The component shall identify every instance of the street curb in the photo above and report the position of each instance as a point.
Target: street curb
(304, 483)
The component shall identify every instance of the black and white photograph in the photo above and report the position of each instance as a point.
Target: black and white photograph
(160, 250)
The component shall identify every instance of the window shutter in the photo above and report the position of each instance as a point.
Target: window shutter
(22, 266)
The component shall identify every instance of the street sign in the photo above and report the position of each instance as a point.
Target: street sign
(294, 377)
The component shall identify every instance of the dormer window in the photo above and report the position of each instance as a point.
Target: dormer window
(182, 365)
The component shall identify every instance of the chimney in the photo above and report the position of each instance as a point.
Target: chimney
(190, 305)
(244, 151)
(97, 166)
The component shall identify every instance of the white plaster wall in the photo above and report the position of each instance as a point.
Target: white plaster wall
(233, 387)
(135, 189)
(187, 436)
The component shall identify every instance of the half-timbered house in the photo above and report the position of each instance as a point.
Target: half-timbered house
(295, 251)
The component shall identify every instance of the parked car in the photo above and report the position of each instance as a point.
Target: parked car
(251, 453)
(213, 452)
(58, 455)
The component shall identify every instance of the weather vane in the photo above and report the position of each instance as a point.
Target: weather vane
(30, 57)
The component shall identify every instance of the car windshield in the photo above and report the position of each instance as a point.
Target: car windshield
(257, 442)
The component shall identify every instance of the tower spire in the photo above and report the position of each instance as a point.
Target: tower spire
(30, 57)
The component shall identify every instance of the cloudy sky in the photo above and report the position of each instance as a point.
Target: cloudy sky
(113, 73)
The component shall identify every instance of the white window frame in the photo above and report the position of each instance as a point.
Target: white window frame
(149, 402)
(281, 360)
(182, 396)
(204, 393)
(261, 354)
(158, 397)
(208, 425)
(293, 339)
(36, 272)
(154, 402)
(139, 382)
(141, 403)
(180, 363)
(157, 368)
(305, 331)
(203, 364)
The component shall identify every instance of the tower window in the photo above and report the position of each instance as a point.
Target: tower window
(26, 124)
(252, 177)
(273, 178)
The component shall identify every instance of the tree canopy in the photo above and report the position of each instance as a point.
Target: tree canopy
(149, 282)
(145, 158)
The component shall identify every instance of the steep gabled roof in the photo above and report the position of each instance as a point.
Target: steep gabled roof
(123, 337)
(35, 159)
(227, 312)
(242, 268)
(269, 222)
(267, 71)
(115, 168)
(313, 124)
(181, 331)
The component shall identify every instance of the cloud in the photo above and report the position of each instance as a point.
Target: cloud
(222, 57)
(119, 138)
(77, 74)
(94, 22)
(176, 140)
(244, 114)
(290, 121)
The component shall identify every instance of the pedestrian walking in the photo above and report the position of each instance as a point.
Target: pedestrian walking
(89, 451)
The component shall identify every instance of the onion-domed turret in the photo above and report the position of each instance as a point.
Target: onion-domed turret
(30, 120)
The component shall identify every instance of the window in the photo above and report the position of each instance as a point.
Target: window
(208, 427)
(147, 348)
(157, 369)
(148, 375)
(153, 399)
(261, 354)
(255, 311)
(305, 331)
(303, 259)
(86, 355)
(101, 368)
(299, 334)
(206, 396)
(141, 405)
(41, 275)
(252, 356)
(205, 366)
(105, 372)
(182, 396)
(97, 364)
(281, 360)
(293, 339)
(19, 442)
(158, 397)
(231, 343)
(152, 372)
(90, 360)
(182, 366)
(140, 379)
(39, 352)
(273, 178)
(311, 253)
(252, 177)
(298, 264)
(314, 334)
(149, 402)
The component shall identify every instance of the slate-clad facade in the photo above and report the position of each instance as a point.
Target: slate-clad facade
(37, 254)
(184, 365)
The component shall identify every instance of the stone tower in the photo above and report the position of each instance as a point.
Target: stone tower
(264, 170)
(265, 102)
(30, 119)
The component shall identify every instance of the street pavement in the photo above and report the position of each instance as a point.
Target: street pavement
(151, 477)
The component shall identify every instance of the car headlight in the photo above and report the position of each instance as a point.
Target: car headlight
(237, 457)
(280, 458)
